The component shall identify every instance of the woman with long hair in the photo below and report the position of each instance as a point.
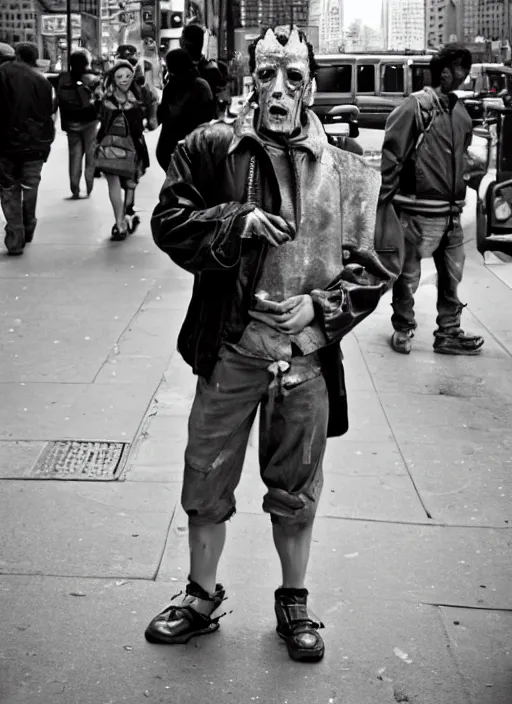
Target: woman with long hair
(187, 102)
(122, 154)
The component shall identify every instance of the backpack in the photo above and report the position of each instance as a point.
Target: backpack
(74, 96)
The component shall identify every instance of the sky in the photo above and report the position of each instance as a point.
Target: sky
(367, 10)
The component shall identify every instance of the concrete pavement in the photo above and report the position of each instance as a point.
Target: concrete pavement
(410, 568)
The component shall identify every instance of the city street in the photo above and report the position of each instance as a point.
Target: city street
(411, 567)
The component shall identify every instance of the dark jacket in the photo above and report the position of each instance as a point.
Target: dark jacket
(198, 221)
(423, 155)
(77, 100)
(26, 113)
(210, 72)
(184, 107)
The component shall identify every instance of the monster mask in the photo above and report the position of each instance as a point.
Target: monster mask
(282, 79)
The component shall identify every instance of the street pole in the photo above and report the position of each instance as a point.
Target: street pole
(221, 37)
(69, 31)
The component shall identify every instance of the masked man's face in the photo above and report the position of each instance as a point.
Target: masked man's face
(283, 82)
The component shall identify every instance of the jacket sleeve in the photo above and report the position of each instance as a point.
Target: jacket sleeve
(399, 140)
(356, 291)
(196, 237)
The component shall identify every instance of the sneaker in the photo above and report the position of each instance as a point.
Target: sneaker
(296, 628)
(177, 624)
(457, 343)
(401, 341)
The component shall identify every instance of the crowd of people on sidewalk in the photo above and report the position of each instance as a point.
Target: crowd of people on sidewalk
(292, 243)
(104, 116)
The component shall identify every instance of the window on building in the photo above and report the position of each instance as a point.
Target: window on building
(392, 78)
(366, 79)
(334, 79)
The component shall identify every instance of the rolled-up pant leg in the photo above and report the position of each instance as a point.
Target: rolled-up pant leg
(293, 436)
(220, 422)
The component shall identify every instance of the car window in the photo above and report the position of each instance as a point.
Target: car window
(366, 79)
(392, 78)
(334, 79)
(496, 82)
(420, 77)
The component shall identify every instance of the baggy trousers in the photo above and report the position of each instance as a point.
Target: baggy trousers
(293, 433)
(443, 239)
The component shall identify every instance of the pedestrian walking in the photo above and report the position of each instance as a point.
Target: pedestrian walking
(121, 153)
(192, 41)
(187, 102)
(423, 169)
(6, 54)
(27, 131)
(277, 227)
(79, 96)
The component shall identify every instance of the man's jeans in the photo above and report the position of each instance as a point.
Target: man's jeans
(19, 184)
(82, 142)
(443, 239)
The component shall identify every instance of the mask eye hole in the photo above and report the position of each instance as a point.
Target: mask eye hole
(294, 75)
(266, 74)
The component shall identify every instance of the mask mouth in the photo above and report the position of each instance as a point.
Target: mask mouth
(278, 111)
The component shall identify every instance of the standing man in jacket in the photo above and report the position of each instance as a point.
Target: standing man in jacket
(26, 135)
(277, 227)
(423, 166)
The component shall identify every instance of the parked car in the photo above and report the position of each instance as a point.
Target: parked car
(375, 83)
(491, 176)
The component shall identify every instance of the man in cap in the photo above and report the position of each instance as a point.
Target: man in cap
(277, 227)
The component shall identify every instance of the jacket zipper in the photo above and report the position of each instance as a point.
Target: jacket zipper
(295, 188)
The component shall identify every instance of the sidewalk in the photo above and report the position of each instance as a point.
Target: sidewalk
(410, 567)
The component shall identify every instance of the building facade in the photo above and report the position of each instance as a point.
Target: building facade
(331, 26)
(405, 25)
(19, 21)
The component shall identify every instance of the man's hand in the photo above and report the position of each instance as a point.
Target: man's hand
(290, 316)
(270, 227)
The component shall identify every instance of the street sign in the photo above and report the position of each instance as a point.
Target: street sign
(55, 26)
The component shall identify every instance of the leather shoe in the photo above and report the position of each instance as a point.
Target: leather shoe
(178, 624)
(296, 628)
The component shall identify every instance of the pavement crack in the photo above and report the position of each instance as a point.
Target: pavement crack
(166, 542)
(420, 499)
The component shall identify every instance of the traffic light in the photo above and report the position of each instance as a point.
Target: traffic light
(176, 20)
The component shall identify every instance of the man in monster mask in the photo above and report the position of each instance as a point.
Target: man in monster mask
(277, 227)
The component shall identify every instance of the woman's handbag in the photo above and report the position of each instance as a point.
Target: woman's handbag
(116, 154)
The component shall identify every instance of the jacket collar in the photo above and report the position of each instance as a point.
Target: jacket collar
(312, 139)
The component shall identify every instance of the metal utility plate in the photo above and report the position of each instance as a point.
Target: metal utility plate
(76, 460)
